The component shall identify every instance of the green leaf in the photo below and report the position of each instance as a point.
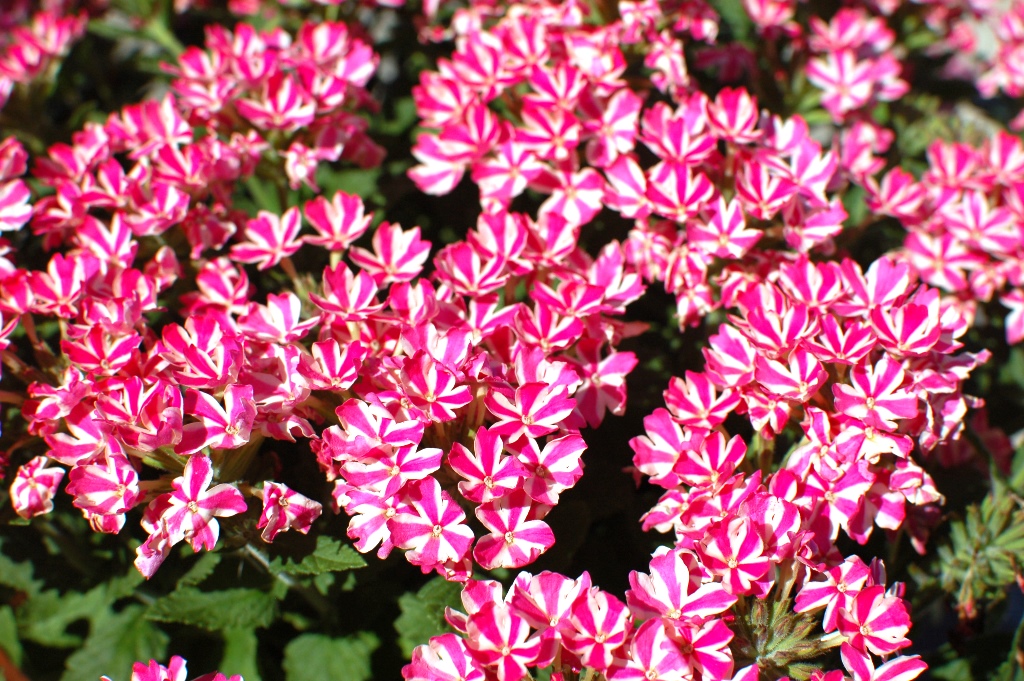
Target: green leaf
(956, 670)
(358, 181)
(423, 613)
(47, 615)
(115, 642)
(18, 576)
(313, 657)
(240, 647)
(855, 203)
(736, 17)
(216, 610)
(264, 194)
(330, 555)
(203, 568)
(9, 635)
(403, 118)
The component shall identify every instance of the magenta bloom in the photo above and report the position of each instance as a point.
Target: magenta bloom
(432, 529)
(285, 509)
(875, 622)
(34, 486)
(193, 507)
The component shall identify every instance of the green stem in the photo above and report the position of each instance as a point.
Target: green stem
(314, 599)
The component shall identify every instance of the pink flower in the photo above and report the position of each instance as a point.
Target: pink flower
(488, 475)
(269, 238)
(226, 427)
(733, 550)
(535, 409)
(154, 671)
(725, 235)
(836, 592)
(875, 622)
(501, 641)
(106, 486)
(545, 601)
(847, 82)
(876, 396)
(445, 658)
(15, 206)
(694, 401)
(733, 116)
(676, 590)
(708, 461)
(553, 469)
(705, 647)
(282, 105)
(653, 656)
(285, 509)
(338, 222)
(397, 255)
(602, 624)
(518, 536)
(189, 512)
(277, 321)
(432, 527)
(861, 668)
(34, 486)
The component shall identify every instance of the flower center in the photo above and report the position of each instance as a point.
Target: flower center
(437, 530)
(193, 506)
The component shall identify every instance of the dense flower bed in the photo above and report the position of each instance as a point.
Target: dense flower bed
(408, 261)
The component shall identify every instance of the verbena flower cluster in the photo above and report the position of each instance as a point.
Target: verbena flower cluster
(445, 390)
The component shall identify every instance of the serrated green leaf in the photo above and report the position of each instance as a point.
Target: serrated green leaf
(48, 615)
(9, 635)
(423, 613)
(240, 647)
(330, 555)
(313, 657)
(203, 568)
(115, 642)
(216, 610)
(324, 582)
